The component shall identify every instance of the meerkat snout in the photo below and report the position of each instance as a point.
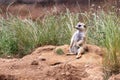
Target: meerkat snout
(80, 26)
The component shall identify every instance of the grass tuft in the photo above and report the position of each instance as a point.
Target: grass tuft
(60, 51)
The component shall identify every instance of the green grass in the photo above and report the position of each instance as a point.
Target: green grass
(20, 37)
(59, 51)
(105, 32)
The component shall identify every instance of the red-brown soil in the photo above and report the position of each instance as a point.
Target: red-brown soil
(37, 12)
(45, 64)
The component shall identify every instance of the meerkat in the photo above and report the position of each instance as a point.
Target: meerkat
(78, 40)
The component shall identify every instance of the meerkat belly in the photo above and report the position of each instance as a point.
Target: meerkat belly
(74, 49)
(77, 38)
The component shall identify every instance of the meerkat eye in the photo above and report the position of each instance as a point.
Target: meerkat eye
(79, 25)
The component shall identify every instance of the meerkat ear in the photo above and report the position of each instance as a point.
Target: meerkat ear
(85, 26)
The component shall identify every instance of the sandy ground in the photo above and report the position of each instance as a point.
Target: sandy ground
(45, 64)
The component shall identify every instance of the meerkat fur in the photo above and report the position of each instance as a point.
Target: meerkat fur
(78, 40)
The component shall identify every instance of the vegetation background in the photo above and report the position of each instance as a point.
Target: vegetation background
(23, 28)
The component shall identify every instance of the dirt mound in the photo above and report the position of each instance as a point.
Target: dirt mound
(45, 64)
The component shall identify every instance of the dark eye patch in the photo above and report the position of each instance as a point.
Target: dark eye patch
(79, 25)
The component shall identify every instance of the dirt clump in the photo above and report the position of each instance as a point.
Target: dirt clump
(34, 62)
(67, 72)
(7, 77)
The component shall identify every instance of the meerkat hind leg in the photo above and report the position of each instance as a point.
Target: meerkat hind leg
(73, 51)
(80, 51)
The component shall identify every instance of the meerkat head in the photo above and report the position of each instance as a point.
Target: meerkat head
(80, 26)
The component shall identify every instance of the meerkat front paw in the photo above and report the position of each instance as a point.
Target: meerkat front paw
(77, 44)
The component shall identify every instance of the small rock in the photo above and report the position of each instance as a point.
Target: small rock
(34, 62)
(42, 59)
(62, 73)
(86, 65)
(8, 57)
(67, 73)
